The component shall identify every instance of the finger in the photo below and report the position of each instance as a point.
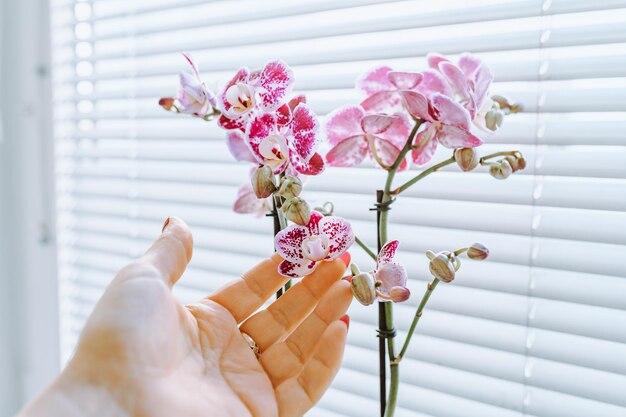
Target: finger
(245, 295)
(284, 360)
(171, 252)
(272, 324)
(298, 394)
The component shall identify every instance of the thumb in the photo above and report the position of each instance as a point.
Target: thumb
(171, 252)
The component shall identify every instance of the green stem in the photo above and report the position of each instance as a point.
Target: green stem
(365, 248)
(496, 154)
(394, 370)
(418, 314)
(422, 175)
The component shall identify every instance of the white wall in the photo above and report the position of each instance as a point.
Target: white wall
(29, 351)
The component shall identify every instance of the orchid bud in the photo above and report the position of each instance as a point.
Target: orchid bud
(297, 210)
(478, 251)
(441, 267)
(517, 162)
(167, 103)
(290, 186)
(494, 119)
(399, 294)
(501, 170)
(263, 182)
(363, 288)
(466, 158)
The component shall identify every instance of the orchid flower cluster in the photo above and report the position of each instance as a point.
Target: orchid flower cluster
(402, 120)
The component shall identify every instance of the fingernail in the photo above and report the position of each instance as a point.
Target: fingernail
(346, 319)
(346, 258)
(167, 221)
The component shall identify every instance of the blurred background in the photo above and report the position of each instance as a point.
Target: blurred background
(90, 167)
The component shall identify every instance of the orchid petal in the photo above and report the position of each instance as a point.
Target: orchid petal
(382, 102)
(304, 126)
(314, 166)
(387, 253)
(344, 123)
(391, 275)
(229, 124)
(450, 112)
(426, 145)
(248, 203)
(240, 77)
(293, 103)
(296, 269)
(469, 64)
(453, 137)
(348, 152)
(374, 81)
(288, 242)
(434, 59)
(399, 130)
(456, 79)
(417, 104)
(376, 123)
(238, 147)
(386, 151)
(482, 83)
(404, 80)
(275, 82)
(433, 82)
(283, 115)
(314, 220)
(260, 127)
(340, 235)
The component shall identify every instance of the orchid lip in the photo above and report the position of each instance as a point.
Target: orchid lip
(274, 150)
(240, 97)
(316, 247)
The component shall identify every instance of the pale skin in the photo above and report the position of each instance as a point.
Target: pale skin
(144, 354)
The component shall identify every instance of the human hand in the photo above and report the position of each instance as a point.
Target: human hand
(142, 353)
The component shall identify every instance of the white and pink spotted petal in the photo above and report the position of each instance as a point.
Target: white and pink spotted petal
(314, 166)
(349, 152)
(283, 115)
(238, 147)
(386, 151)
(433, 82)
(399, 131)
(314, 222)
(469, 64)
(426, 145)
(404, 80)
(240, 77)
(376, 123)
(450, 112)
(229, 124)
(296, 269)
(275, 82)
(382, 102)
(387, 253)
(453, 137)
(260, 127)
(416, 104)
(391, 274)
(375, 81)
(304, 127)
(293, 103)
(288, 242)
(343, 123)
(340, 235)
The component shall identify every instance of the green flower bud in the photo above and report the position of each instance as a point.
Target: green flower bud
(263, 182)
(297, 210)
(290, 187)
(478, 252)
(466, 158)
(363, 288)
(441, 267)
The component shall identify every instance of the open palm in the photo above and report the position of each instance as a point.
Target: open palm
(156, 357)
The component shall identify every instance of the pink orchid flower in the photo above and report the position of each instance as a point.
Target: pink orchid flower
(193, 95)
(390, 276)
(446, 123)
(248, 203)
(355, 135)
(469, 81)
(290, 145)
(303, 247)
(250, 92)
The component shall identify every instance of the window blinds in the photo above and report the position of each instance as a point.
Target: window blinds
(537, 330)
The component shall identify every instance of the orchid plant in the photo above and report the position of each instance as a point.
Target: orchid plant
(401, 121)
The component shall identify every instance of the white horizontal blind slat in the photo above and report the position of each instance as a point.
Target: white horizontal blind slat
(537, 330)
